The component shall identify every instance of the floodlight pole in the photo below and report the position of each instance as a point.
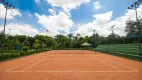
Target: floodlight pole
(135, 6)
(112, 29)
(9, 32)
(7, 6)
(4, 34)
(46, 32)
(139, 42)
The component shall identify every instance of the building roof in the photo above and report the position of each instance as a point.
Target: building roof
(85, 44)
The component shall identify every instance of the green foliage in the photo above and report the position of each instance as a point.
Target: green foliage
(38, 45)
(26, 53)
(10, 55)
(124, 50)
(25, 48)
(61, 42)
(132, 29)
(5, 48)
(11, 51)
(13, 55)
(7, 56)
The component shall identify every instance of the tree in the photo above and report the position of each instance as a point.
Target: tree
(37, 44)
(132, 29)
(61, 42)
(86, 39)
(22, 38)
(31, 41)
(70, 39)
(94, 39)
(112, 38)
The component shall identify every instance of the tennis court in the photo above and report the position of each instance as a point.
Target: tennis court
(71, 65)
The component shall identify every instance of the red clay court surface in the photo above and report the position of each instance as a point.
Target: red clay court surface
(71, 65)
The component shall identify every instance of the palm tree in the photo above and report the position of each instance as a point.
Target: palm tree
(70, 37)
(47, 31)
(77, 35)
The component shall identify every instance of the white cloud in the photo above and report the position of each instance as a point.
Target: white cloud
(97, 5)
(103, 18)
(11, 13)
(97, 24)
(102, 23)
(20, 29)
(120, 22)
(37, 1)
(51, 11)
(54, 23)
(67, 5)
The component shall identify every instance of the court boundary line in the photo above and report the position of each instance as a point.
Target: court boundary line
(118, 64)
(121, 64)
(19, 65)
(93, 57)
(35, 64)
(115, 67)
(75, 71)
(104, 62)
(124, 66)
(71, 58)
(98, 59)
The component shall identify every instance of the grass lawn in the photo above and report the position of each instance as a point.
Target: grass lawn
(131, 49)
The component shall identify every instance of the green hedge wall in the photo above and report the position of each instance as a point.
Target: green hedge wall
(12, 55)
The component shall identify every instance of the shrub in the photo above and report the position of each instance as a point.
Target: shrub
(31, 52)
(23, 53)
(10, 55)
(6, 56)
(10, 51)
(5, 48)
(25, 48)
(13, 55)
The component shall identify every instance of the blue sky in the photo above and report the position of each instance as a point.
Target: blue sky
(77, 16)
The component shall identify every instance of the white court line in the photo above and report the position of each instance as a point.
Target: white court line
(81, 71)
(70, 58)
(19, 65)
(62, 55)
(19, 71)
(124, 66)
(108, 64)
(116, 71)
(35, 63)
(64, 71)
(114, 67)
(75, 71)
(99, 59)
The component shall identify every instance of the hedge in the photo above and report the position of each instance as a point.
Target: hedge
(125, 55)
(11, 51)
(7, 56)
(87, 48)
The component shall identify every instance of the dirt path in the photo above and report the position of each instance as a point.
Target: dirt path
(71, 65)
